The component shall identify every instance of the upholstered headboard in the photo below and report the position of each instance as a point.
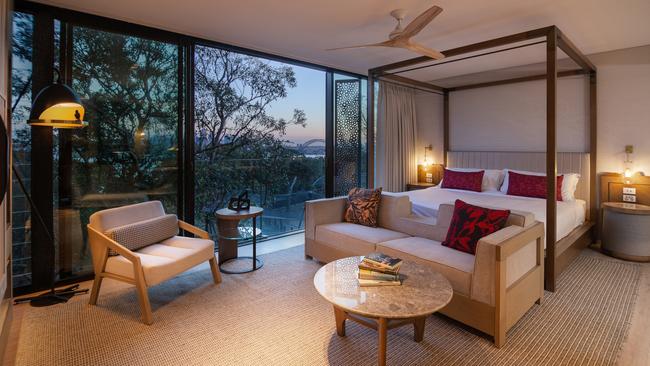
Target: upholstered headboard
(567, 162)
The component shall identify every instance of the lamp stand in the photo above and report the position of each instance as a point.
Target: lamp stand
(53, 296)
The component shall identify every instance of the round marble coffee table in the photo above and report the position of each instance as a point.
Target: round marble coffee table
(423, 292)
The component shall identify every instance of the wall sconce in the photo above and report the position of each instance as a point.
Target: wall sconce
(629, 149)
(427, 163)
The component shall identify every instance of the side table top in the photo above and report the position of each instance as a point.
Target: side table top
(423, 290)
(228, 214)
(627, 208)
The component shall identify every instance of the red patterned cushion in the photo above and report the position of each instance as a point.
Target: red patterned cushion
(531, 185)
(469, 181)
(470, 223)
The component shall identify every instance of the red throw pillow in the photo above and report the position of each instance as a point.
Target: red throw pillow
(531, 185)
(470, 223)
(469, 181)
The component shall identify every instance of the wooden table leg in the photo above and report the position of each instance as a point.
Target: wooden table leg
(339, 315)
(382, 329)
(418, 328)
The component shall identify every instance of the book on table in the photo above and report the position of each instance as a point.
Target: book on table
(373, 283)
(382, 260)
(378, 269)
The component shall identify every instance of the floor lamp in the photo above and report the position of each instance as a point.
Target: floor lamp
(56, 106)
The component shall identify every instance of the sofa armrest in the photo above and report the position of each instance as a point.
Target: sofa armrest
(193, 229)
(423, 226)
(323, 211)
(99, 246)
(518, 248)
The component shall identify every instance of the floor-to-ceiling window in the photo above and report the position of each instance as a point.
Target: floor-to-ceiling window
(158, 129)
(260, 127)
(129, 151)
(21, 98)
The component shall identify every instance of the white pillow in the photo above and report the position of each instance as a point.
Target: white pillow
(492, 178)
(569, 183)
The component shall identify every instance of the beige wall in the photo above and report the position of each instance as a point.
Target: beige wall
(512, 117)
(428, 110)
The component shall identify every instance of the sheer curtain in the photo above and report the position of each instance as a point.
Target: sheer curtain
(396, 129)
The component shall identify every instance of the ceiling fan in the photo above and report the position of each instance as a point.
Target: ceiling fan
(401, 37)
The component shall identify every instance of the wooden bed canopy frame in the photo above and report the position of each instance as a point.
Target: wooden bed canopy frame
(559, 254)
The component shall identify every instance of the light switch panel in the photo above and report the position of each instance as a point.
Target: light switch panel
(629, 198)
(629, 190)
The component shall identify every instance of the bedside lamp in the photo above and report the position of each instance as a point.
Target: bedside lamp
(627, 173)
(426, 163)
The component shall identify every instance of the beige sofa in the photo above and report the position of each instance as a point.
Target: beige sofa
(492, 290)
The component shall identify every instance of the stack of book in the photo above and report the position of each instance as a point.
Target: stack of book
(377, 269)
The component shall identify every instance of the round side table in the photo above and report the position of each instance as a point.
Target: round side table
(626, 231)
(230, 234)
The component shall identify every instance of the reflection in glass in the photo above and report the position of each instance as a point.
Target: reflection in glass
(128, 153)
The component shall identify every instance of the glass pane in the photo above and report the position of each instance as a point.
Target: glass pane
(128, 153)
(350, 134)
(21, 95)
(260, 126)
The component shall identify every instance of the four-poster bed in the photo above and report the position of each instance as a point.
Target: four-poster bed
(559, 251)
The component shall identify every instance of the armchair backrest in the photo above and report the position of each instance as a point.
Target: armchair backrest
(105, 220)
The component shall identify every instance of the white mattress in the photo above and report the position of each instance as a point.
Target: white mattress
(425, 202)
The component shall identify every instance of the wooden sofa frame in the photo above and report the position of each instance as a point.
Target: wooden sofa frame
(510, 302)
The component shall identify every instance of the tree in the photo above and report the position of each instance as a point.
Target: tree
(238, 144)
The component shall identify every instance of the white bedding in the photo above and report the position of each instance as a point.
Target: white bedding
(425, 202)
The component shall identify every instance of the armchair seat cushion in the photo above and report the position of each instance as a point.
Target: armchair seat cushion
(165, 259)
(455, 265)
(353, 238)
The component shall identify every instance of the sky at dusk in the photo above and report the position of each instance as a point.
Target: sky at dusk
(309, 96)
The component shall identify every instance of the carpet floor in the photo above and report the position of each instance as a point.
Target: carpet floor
(275, 317)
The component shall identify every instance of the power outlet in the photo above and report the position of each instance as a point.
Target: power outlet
(629, 190)
(629, 198)
(429, 177)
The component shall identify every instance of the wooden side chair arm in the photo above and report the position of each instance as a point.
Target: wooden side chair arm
(193, 229)
(115, 246)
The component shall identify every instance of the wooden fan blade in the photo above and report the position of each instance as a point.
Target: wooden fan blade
(380, 44)
(418, 48)
(420, 22)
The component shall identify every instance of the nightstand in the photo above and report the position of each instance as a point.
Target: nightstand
(416, 186)
(626, 231)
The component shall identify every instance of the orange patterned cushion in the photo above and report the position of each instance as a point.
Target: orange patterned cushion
(363, 206)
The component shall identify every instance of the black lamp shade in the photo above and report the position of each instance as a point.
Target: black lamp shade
(57, 105)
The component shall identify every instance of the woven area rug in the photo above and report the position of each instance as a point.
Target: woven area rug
(275, 317)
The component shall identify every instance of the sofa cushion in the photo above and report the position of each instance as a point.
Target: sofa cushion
(353, 238)
(363, 206)
(471, 223)
(139, 234)
(456, 266)
(164, 260)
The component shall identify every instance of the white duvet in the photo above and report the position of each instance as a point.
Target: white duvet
(425, 202)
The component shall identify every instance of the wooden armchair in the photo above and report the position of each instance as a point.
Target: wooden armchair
(138, 244)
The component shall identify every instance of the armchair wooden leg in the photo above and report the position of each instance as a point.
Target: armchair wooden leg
(94, 293)
(143, 299)
(216, 274)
